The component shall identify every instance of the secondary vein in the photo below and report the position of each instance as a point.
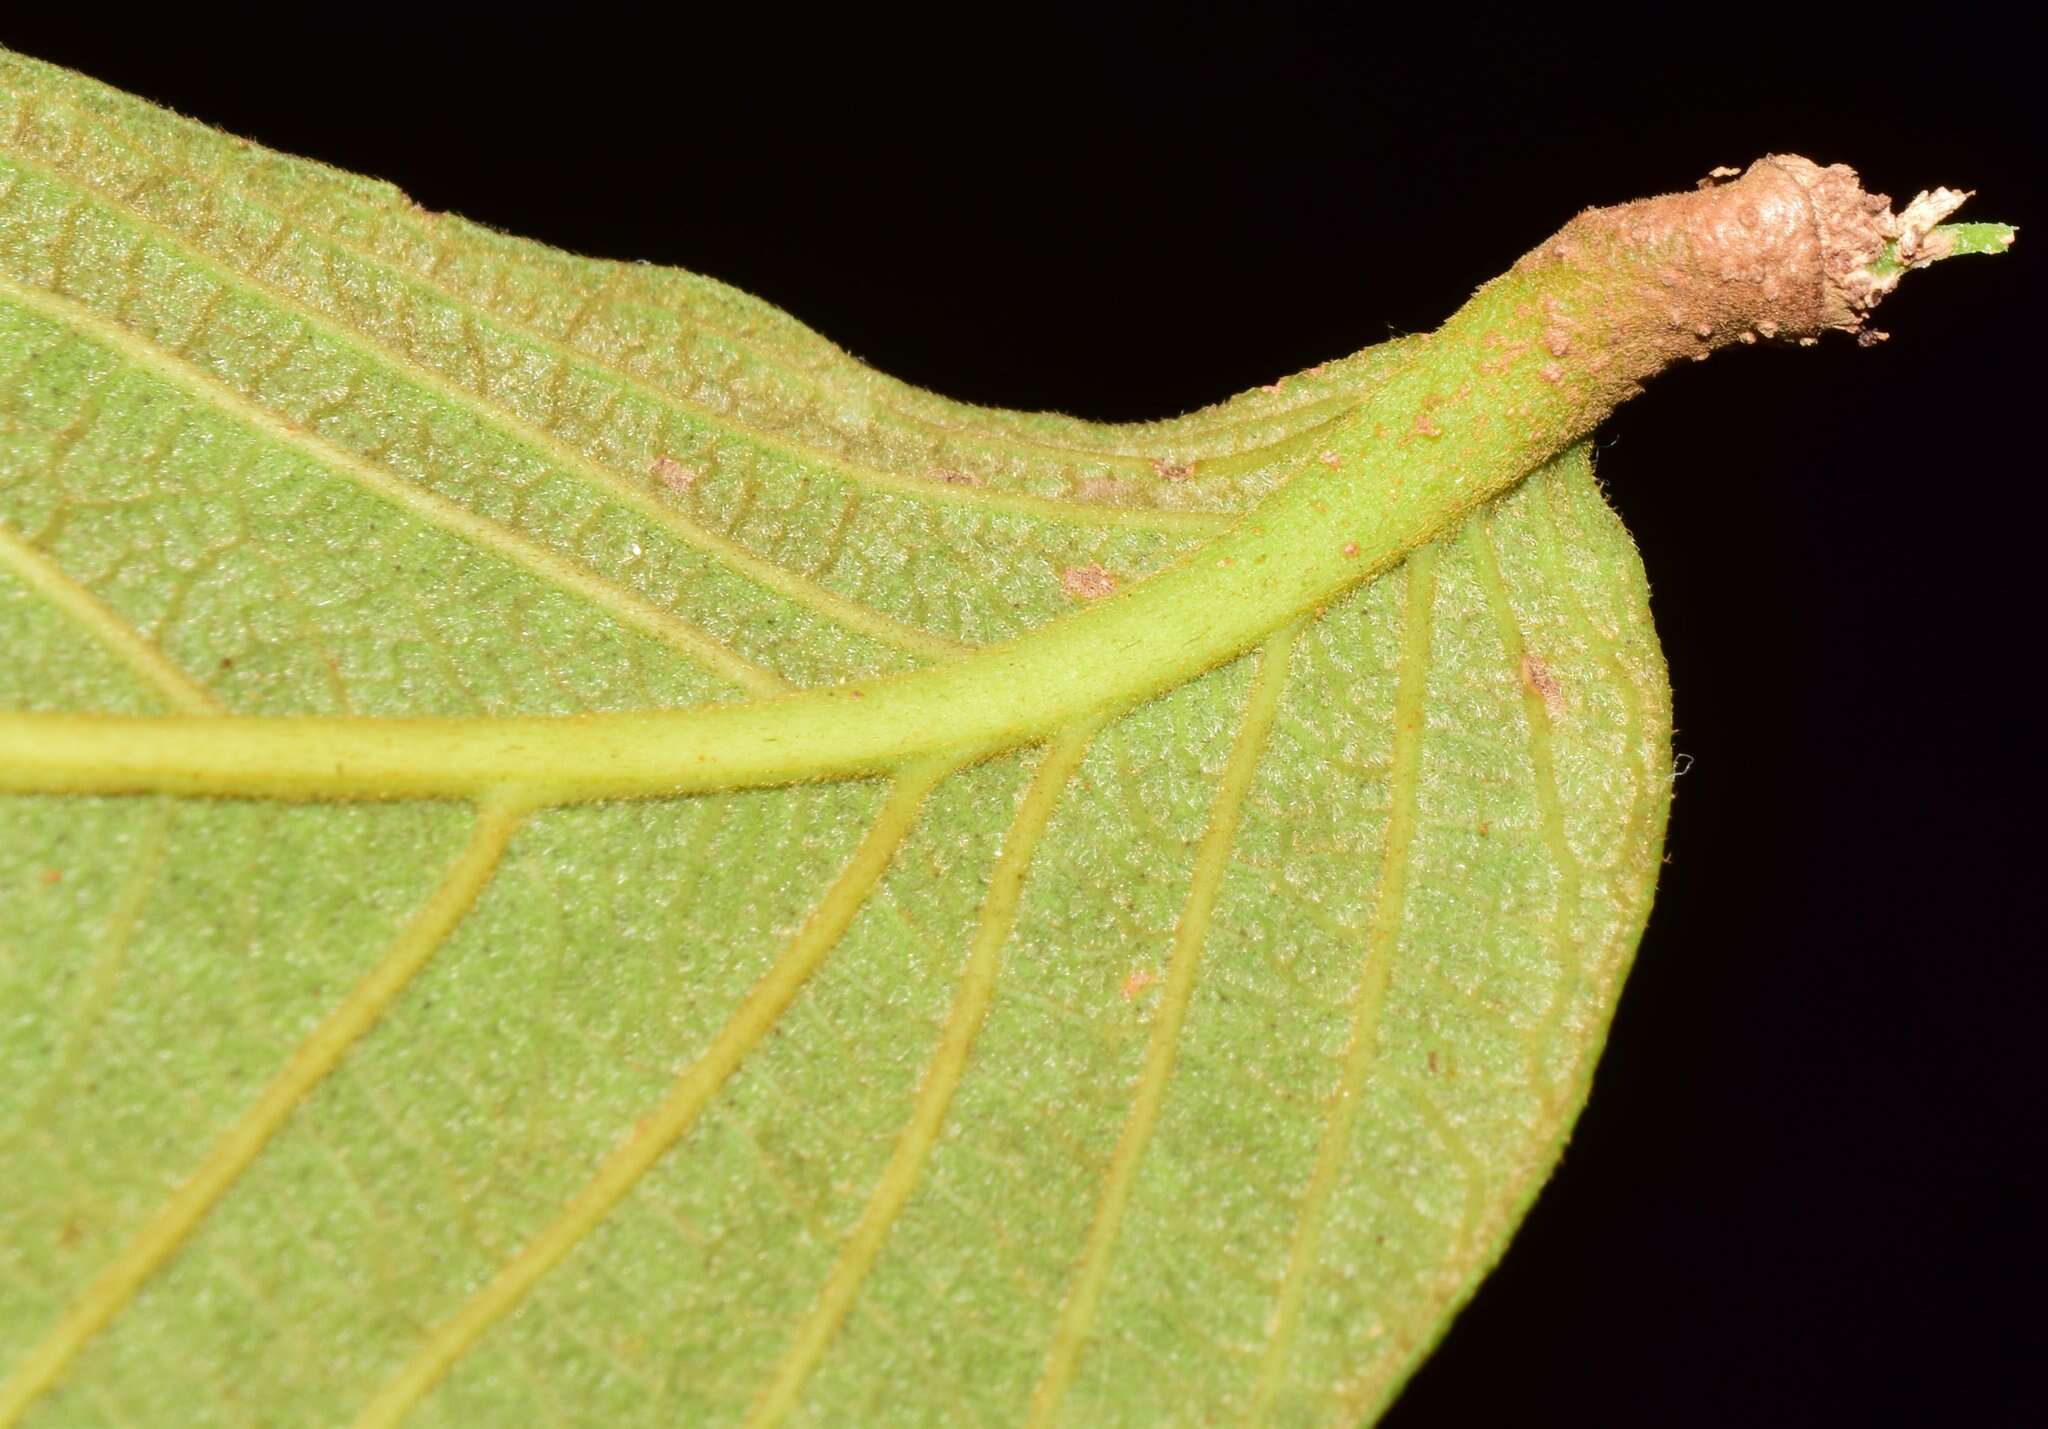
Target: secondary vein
(654, 1133)
(1077, 1316)
(831, 462)
(1570, 875)
(627, 607)
(935, 1095)
(127, 644)
(639, 497)
(1381, 940)
(174, 1221)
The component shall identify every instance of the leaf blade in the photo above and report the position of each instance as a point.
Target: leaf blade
(556, 1150)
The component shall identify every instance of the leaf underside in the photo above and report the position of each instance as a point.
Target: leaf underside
(1192, 1066)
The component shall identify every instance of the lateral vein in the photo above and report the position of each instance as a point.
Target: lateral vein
(1382, 937)
(49, 580)
(117, 933)
(1478, 537)
(640, 498)
(1147, 518)
(625, 606)
(172, 1224)
(857, 1254)
(1077, 1316)
(655, 1133)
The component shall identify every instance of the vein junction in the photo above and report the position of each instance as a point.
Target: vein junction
(1367, 492)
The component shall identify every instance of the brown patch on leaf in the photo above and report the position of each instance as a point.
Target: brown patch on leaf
(948, 476)
(1427, 427)
(673, 474)
(1536, 675)
(1089, 582)
(1173, 470)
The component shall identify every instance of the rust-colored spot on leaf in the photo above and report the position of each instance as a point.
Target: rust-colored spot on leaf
(1089, 582)
(53, 875)
(1536, 675)
(1427, 427)
(1173, 470)
(673, 474)
(1330, 460)
(1351, 548)
(950, 476)
(1137, 982)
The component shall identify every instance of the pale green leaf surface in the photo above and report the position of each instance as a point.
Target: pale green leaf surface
(1190, 1066)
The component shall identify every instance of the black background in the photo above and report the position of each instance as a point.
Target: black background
(1806, 1190)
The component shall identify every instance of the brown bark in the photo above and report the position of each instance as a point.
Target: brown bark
(1789, 250)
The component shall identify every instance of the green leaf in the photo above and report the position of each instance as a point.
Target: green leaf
(569, 852)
